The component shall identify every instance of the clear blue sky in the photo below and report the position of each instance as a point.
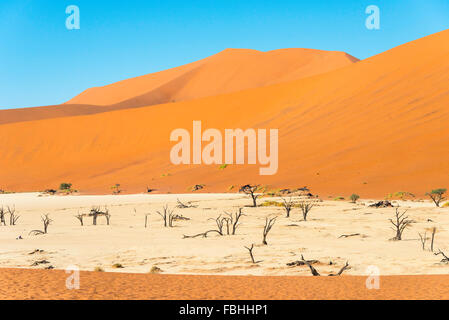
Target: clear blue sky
(43, 63)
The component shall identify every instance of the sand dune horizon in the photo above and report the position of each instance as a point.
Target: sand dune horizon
(228, 71)
(371, 127)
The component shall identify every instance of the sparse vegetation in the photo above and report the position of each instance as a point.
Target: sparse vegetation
(117, 266)
(99, 269)
(116, 189)
(155, 269)
(437, 195)
(354, 197)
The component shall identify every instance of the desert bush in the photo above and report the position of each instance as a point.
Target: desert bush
(99, 269)
(116, 189)
(437, 195)
(155, 269)
(65, 186)
(354, 197)
(446, 205)
(339, 199)
(117, 266)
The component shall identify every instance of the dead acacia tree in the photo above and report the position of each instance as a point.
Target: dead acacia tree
(13, 217)
(315, 273)
(108, 217)
(46, 221)
(251, 253)
(288, 206)
(2, 216)
(185, 206)
(445, 258)
(95, 212)
(167, 215)
(269, 223)
(434, 230)
(400, 223)
(232, 221)
(305, 207)
(80, 217)
(423, 239)
(251, 191)
(346, 266)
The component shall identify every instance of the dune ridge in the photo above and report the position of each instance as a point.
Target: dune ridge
(372, 127)
(228, 71)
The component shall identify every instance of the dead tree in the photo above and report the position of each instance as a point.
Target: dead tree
(434, 230)
(400, 224)
(346, 266)
(251, 253)
(2, 216)
(445, 258)
(250, 190)
(305, 207)
(80, 217)
(185, 206)
(47, 221)
(167, 216)
(95, 212)
(146, 220)
(232, 222)
(107, 215)
(288, 206)
(269, 223)
(423, 239)
(12, 216)
(315, 273)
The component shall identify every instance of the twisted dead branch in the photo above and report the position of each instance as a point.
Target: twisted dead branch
(46, 221)
(251, 253)
(167, 216)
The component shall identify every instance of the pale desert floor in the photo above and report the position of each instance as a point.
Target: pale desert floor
(137, 249)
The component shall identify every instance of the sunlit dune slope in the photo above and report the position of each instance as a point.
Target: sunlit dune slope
(228, 71)
(373, 127)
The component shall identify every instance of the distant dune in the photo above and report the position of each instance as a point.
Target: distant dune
(228, 71)
(372, 127)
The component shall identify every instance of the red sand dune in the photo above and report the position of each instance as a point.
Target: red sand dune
(373, 127)
(47, 285)
(228, 71)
